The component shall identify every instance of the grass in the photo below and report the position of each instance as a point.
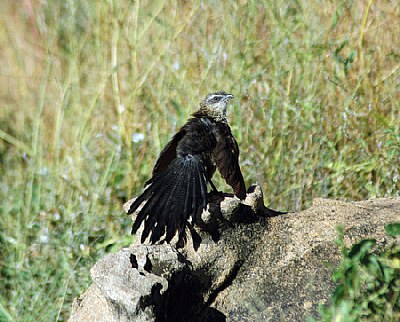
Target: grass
(91, 91)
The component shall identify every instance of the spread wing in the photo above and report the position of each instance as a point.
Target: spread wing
(168, 154)
(226, 155)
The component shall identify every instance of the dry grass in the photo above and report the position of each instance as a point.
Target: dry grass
(316, 115)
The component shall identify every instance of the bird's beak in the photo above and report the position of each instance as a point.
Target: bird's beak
(229, 97)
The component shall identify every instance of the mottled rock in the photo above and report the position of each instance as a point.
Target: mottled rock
(245, 267)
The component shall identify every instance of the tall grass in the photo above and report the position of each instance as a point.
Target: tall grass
(90, 91)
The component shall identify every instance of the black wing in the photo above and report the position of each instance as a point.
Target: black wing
(168, 154)
(226, 155)
(178, 189)
(171, 198)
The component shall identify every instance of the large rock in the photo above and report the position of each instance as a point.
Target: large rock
(245, 268)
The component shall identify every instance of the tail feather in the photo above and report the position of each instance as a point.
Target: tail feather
(171, 198)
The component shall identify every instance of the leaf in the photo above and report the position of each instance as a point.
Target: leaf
(349, 60)
(393, 229)
(335, 20)
(338, 294)
(373, 265)
(361, 249)
(394, 263)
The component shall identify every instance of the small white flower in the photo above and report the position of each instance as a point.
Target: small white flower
(176, 65)
(44, 238)
(137, 137)
(121, 108)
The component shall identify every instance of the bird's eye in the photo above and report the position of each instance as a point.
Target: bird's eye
(216, 98)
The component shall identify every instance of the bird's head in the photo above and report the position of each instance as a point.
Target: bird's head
(214, 105)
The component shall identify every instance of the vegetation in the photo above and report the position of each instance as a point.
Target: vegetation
(368, 282)
(90, 91)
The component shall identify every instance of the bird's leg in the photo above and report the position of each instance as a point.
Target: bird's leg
(215, 195)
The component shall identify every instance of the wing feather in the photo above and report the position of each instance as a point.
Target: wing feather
(168, 154)
(226, 155)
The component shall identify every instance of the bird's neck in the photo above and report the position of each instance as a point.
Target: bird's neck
(216, 115)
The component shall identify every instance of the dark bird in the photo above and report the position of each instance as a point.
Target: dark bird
(177, 190)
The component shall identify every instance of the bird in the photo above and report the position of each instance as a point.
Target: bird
(176, 194)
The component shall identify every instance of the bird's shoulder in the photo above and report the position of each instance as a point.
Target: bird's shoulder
(200, 136)
(199, 125)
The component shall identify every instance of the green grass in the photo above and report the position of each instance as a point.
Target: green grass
(315, 113)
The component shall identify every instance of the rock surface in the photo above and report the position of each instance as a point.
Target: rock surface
(245, 268)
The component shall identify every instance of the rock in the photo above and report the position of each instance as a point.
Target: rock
(245, 268)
